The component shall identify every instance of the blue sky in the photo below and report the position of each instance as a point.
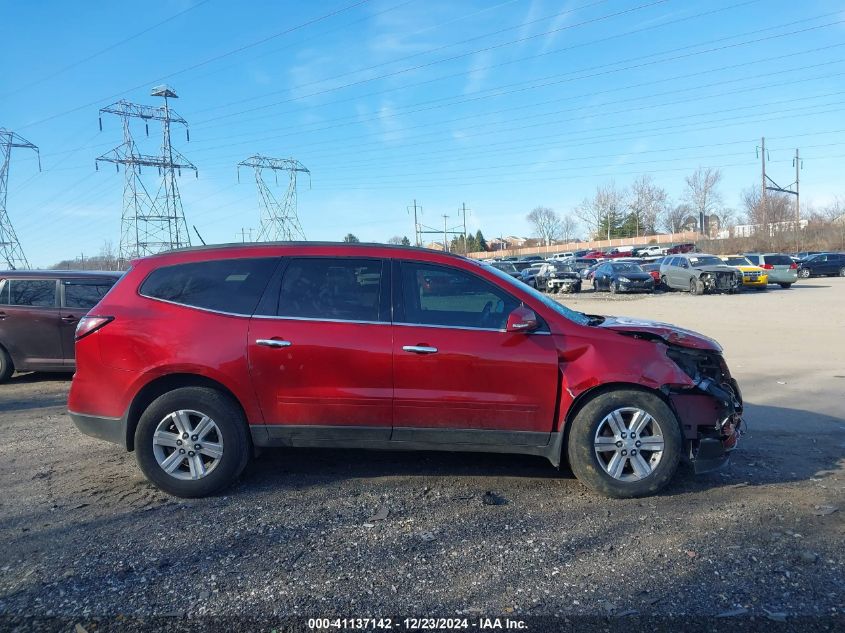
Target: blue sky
(503, 105)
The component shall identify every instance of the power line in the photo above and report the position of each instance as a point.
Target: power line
(105, 50)
(204, 62)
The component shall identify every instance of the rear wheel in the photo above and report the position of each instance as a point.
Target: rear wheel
(786, 286)
(842, 272)
(663, 284)
(625, 443)
(191, 442)
(7, 367)
(614, 287)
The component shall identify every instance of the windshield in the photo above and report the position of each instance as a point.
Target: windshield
(504, 266)
(578, 317)
(706, 260)
(627, 268)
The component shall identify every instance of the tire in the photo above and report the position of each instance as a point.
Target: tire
(613, 287)
(576, 287)
(230, 433)
(594, 471)
(695, 287)
(785, 286)
(664, 284)
(7, 367)
(804, 273)
(842, 272)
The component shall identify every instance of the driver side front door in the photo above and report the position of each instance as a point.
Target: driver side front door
(458, 375)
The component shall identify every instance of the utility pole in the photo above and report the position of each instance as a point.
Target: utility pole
(798, 240)
(417, 241)
(764, 203)
(791, 189)
(149, 225)
(244, 233)
(10, 247)
(278, 221)
(464, 210)
(445, 231)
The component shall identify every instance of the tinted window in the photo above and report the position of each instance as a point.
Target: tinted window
(85, 294)
(329, 288)
(433, 295)
(227, 285)
(29, 292)
(754, 259)
(778, 260)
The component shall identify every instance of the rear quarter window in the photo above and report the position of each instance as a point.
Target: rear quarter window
(778, 260)
(225, 285)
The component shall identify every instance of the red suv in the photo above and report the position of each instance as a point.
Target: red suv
(198, 356)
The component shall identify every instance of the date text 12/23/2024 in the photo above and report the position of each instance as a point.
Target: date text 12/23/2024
(416, 624)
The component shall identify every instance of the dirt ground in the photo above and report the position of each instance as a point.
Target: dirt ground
(85, 540)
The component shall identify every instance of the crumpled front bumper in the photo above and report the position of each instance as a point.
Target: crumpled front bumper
(711, 417)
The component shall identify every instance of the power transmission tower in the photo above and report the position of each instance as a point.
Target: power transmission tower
(10, 247)
(279, 220)
(149, 225)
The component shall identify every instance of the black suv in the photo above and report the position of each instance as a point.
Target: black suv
(39, 311)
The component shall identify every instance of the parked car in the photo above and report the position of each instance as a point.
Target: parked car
(622, 277)
(653, 269)
(521, 265)
(780, 268)
(507, 267)
(199, 355)
(594, 255)
(531, 258)
(650, 251)
(698, 274)
(588, 272)
(561, 256)
(822, 265)
(557, 277)
(687, 247)
(39, 311)
(806, 254)
(580, 253)
(752, 276)
(528, 275)
(620, 251)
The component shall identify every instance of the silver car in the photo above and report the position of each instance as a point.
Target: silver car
(781, 268)
(699, 273)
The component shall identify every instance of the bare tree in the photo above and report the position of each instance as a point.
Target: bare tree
(568, 226)
(546, 224)
(702, 195)
(779, 208)
(645, 202)
(603, 212)
(396, 239)
(674, 217)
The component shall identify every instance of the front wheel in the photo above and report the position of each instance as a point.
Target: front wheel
(804, 273)
(614, 287)
(696, 287)
(842, 272)
(191, 442)
(625, 443)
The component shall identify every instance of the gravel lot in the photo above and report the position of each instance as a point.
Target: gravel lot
(87, 541)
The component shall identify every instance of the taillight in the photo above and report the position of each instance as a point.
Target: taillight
(793, 266)
(90, 324)
(767, 266)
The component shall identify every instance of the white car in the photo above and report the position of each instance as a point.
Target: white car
(560, 256)
(651, 251)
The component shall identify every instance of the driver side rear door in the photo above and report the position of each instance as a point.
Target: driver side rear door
(458, 375)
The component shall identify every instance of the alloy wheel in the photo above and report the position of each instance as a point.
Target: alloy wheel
(187, 444)
(629, 444)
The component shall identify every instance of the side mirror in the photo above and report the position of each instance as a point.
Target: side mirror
(522, 319)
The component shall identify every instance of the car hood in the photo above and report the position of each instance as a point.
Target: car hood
(669, 333)
(715, 269)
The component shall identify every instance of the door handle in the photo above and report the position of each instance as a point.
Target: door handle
(420, 349)
(272, 342)
(69, 318)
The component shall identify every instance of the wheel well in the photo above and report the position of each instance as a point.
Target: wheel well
(162, 385)
(582, 399)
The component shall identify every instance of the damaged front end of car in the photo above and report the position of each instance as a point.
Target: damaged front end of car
(721, 281)
(709, 409)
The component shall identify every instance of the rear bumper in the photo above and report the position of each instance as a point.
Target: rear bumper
(109, 429)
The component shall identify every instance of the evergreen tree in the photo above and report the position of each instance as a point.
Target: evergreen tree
(479, 238)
